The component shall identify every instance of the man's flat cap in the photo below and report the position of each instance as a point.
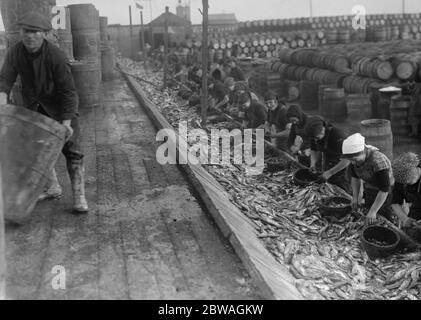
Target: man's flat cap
(34, 21)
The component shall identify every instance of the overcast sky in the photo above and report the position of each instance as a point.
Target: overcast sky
(117, 10)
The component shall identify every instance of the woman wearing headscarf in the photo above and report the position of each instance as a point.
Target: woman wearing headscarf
(407, 173)
(372, 167)
(326, 145)
(276, 121)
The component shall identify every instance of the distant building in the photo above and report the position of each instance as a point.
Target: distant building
(183, 11)
(219, 22)
(179, 29)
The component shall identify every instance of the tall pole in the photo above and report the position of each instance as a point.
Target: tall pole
(403, 6)
(167, 11)
(311, 8)
(2, 245)
(143, 36)
(131, 32)
(205, 55)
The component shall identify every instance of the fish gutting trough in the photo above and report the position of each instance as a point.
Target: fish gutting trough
(334, 207)
(379, 242)
(304, 177)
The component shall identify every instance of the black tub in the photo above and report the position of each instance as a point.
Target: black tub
(379, 242)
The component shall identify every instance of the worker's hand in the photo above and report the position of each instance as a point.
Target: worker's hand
(69, 129)
(313, 169)
(3, 98)
(409, 223)
(355, 204)
(288, 126)
(325, 176)
(371, 218)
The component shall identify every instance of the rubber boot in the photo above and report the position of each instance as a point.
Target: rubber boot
(77, 179)
(53, 189)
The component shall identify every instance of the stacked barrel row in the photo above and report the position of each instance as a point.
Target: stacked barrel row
(332, 22)
(358, 71)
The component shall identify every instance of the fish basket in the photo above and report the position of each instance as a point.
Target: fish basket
(379, 242)
(305, 177)
(334, 207)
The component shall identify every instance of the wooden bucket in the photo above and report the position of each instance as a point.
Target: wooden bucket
(378, 133)
(26, 169)
(399, 109)
(87, 81)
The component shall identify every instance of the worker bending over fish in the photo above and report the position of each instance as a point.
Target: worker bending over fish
(369, 165)
(326, 147)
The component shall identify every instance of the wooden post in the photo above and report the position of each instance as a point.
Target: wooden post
(167, 10)
(403, 6)
(143, 36)
(205, 55)
(311, 8)
(2, 246)
(131, 32)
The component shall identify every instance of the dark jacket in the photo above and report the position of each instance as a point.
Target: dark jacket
(46, 80)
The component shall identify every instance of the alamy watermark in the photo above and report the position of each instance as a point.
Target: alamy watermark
(223, 148)
(59, 280)
(359, 20)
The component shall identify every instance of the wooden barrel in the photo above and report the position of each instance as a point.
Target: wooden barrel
(380, 34)
(64, 37)
(359, 109)
(309, 95)
(405, 69)
(334, 104)
(332, 36)
(87, 80)
(378, 133)
(103, 28)
(107, 60)
(26, 169)
(399, 109)
(384, 102)
(344, 36)
(65, 42)
(85, 31)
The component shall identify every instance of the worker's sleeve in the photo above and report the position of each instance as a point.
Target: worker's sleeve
(65, 86)
(382, 180)
(313, 145)
(351, 172)
(261, 115)
(398, 194)
(8, 73)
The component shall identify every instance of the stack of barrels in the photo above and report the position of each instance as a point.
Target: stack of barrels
(65, 38)
(107, 51)
(86, 49)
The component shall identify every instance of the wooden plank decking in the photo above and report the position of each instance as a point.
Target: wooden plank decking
(146, 236)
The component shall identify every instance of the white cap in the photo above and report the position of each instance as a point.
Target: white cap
(353, 144)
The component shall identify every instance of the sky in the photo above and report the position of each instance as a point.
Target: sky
(117, 10)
